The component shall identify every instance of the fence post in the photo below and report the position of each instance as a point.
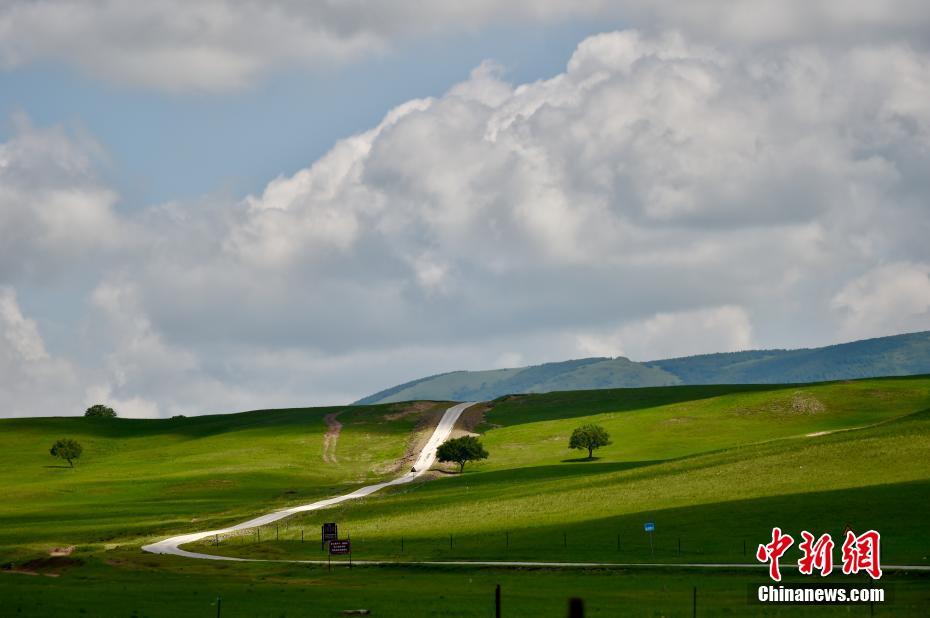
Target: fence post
(564, 539)
(618, 542)
(694, 602)
(497, 601)
(219, 604)
(575, 608)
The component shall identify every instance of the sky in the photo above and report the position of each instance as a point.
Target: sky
(219, 206)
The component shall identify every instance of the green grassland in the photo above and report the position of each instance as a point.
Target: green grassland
(138, 479)
(715, 467)
(167, 587)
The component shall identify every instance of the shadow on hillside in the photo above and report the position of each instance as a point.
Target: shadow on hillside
(518, 409)
(552, 472)
(727, 531)
(513, 410)
(371, 418)
(581, 460)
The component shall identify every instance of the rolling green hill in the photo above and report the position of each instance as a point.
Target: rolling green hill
(715, 467)
(712, 465)
(898, 355)
(140, 478)
(588, 373)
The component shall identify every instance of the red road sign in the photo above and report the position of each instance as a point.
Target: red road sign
(340, 547)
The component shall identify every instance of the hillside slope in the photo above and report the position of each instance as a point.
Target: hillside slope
(713, 466)
(584, 374)
(140, 477)
(898, 355)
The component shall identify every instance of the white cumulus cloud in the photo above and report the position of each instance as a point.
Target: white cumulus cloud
(670, 335)
(661, 196)
(32, 381)
(888, 299)
(223, 45)
(53, 209)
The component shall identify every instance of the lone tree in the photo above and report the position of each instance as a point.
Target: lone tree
(589, 437)
(461, 450)
(67, 449)
(100, 411)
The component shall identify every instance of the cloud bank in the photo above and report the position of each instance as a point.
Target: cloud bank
(661, 196)
(225, 45)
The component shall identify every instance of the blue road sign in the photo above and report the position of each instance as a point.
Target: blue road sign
(649, 526)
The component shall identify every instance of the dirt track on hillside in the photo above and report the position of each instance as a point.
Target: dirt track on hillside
(331, 437)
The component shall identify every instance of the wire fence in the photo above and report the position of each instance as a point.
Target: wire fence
(301, 541)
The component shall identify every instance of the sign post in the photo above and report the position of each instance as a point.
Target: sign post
(340, 548)
(650, 527)
(328, 533)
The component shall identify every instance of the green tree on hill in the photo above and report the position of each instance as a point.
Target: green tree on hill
(461, 450)
(67, 449)
(100, 411)
(589, 437)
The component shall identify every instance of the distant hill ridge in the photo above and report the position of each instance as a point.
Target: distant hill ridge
(897, 355)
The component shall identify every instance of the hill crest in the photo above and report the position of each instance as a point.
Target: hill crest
(895, 355)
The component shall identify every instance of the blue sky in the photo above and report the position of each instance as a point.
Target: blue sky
(219, 206)
(169, 146)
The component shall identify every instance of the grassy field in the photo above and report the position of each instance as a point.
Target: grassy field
(715, 467)
(141, 478)
(711, 466)
(119, 584)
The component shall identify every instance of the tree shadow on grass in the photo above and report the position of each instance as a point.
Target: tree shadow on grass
(550, 472)
(64, 467)
(580, 459)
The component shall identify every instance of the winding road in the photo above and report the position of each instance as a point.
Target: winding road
(424, 462)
